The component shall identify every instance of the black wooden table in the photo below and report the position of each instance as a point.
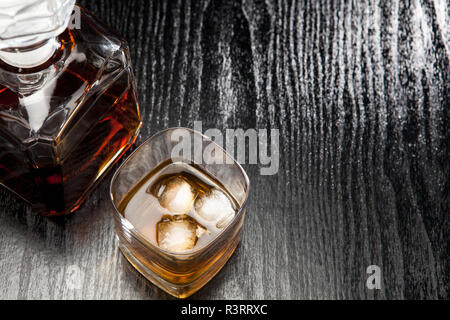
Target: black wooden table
(359, 91)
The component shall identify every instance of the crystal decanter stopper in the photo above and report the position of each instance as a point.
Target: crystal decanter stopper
(68, 108)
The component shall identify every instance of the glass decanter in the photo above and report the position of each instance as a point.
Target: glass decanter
(68, 108)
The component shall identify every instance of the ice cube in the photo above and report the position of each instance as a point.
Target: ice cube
(178, 233)
(175, 194)
(222, 223)
(215, 206)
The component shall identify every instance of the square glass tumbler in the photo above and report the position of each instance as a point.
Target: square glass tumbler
(179, 274)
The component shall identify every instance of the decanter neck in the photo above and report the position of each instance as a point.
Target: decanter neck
(30, 57)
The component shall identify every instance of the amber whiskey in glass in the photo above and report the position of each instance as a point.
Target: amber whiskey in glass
(178, 221)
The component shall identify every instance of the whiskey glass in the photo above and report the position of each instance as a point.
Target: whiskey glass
(179, 274)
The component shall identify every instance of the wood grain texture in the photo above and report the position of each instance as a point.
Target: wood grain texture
(360, 93)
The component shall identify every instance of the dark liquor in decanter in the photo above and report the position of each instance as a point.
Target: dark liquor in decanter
(68, 108)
